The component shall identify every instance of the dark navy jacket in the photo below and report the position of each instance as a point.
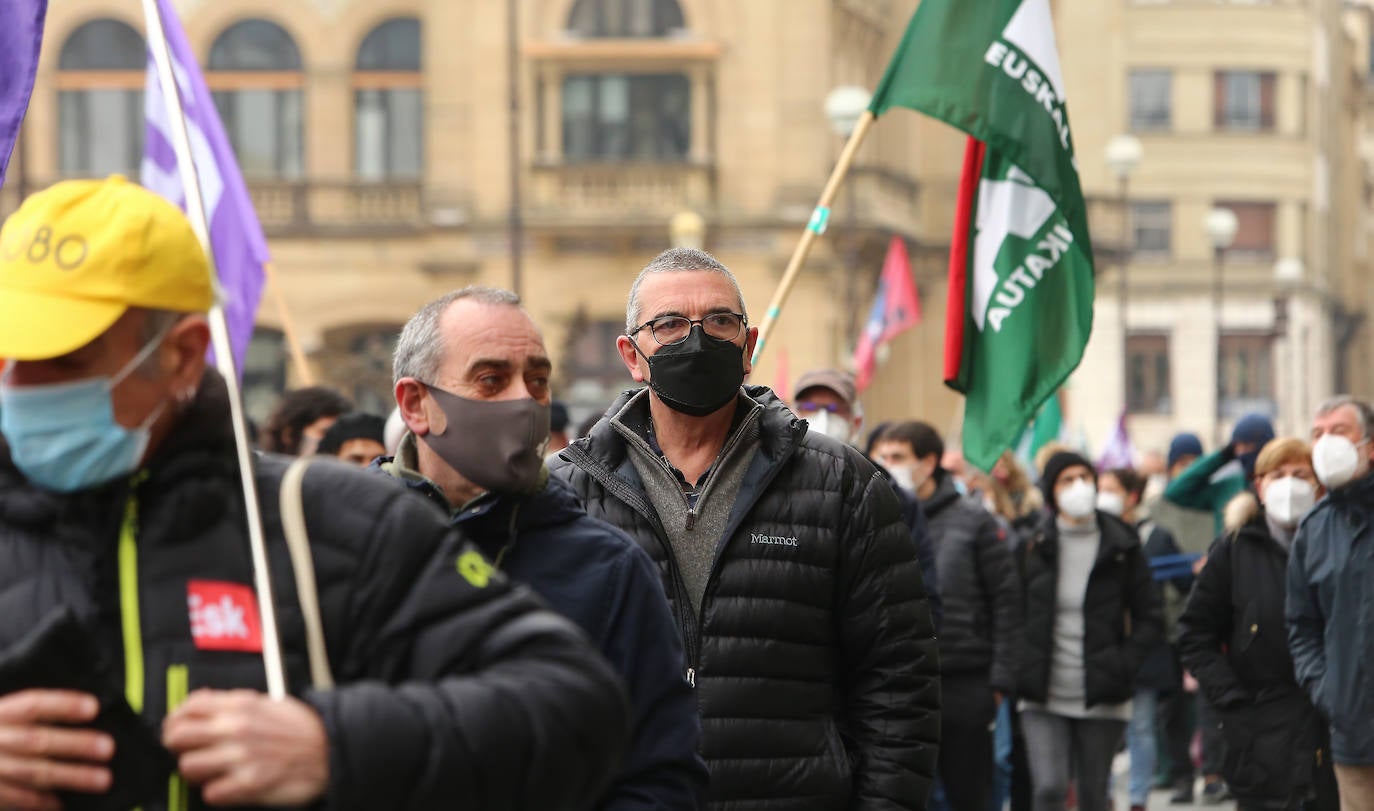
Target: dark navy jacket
(915, 519)
(593, 574)
(1330, 615)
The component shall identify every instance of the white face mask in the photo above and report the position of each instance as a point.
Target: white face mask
(1113, 503)
(1079, 500)
(832, 425)
(1288, 499)
(1337, 460)
(901, 476)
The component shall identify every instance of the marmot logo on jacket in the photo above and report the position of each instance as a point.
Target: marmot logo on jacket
(224, 616)
(776, 540)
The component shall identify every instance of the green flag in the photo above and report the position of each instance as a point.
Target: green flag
(1021, 271)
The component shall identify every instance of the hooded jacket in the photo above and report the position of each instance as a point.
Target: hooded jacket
(424, 641)
(813, 653)
(1209, 483)
(1232, 638)
(593, 574)
(1122, 615)
(1330, 615)
(979, 587)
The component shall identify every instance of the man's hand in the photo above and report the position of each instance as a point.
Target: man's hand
(1190, 684)
(244, 748)
(41, 754)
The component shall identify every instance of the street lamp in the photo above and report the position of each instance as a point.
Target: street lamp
(1288, 274)
(843, 107)
(1221, 226)
(1124, 153)
(687, 229)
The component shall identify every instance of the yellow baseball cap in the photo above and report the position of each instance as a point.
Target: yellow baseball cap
(76, 256)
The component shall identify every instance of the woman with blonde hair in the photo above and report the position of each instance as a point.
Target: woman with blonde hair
(1012, 495)
(1234, 641)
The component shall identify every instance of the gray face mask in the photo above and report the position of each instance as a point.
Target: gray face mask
(497, 445)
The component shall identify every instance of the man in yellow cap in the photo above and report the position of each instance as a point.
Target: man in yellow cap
(119, 503)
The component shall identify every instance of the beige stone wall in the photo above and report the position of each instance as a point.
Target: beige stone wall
(762, 149)
(1310, 166)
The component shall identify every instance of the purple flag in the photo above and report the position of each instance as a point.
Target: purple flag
(21, 35)
(236, 238)
(1119, 452)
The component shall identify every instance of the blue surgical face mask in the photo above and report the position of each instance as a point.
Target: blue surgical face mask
(64, 437)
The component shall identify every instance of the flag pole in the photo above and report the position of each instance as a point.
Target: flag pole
(288, 326)
(814, 228)
(224, 354)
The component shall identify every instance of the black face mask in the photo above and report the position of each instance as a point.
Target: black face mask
(697, 377)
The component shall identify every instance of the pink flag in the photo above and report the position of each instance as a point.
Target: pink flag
(782, 377)
(896, 308)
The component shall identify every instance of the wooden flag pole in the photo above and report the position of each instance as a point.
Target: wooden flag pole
(814, 228)
(288, 327)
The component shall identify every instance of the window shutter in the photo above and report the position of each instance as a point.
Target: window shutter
(1267, 83)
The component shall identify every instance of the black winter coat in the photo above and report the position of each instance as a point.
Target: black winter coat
(1233, 640)
(915, 519)
(451, 683)
(1123, 619)
(815, 662)
(979, 587)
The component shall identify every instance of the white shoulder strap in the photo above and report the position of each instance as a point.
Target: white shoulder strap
(298, 542)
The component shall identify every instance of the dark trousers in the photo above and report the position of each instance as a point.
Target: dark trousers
(1021, 790)
(1210, 724)
(1175, 733)
(967, 711)
(1061, 749)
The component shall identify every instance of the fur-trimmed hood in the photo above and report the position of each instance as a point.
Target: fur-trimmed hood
(1241, 510)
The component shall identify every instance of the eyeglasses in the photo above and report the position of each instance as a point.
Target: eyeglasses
(674, 329)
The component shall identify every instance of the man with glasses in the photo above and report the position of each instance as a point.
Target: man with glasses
(792, 577)
(1330, 603)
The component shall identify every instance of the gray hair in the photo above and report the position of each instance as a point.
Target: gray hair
(1364, 415)
(671, 261)
(420, 349)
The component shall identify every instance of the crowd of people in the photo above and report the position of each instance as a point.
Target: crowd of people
(706, 597)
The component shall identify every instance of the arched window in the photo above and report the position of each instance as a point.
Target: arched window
(625, 18)
(255, 71)
(358, 357)
(100, 100)
(388, 113)
(264, 372)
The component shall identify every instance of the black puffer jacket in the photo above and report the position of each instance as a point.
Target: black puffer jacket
(452, 684)
(1122, 615)
(1233, 639)
(815, 662)
(979, 587)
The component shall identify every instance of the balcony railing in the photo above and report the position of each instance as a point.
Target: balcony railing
(310, 207)
(623, 191)
(364, 209)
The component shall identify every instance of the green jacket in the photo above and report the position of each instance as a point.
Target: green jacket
(1199, 488)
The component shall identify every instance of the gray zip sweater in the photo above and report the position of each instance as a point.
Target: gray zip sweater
(694, 530)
